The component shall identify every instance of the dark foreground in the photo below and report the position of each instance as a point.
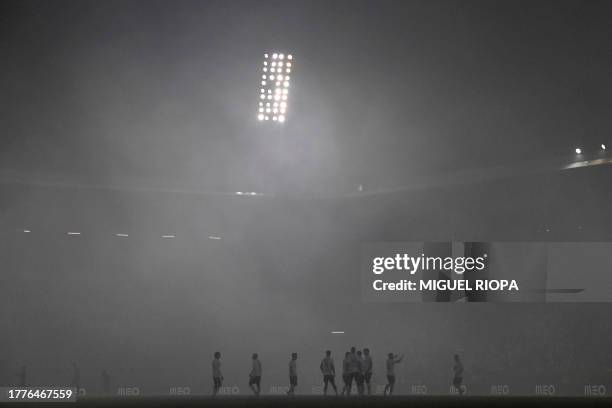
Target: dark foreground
(306, 402)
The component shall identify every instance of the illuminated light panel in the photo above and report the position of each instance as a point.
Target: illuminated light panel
(275, 72)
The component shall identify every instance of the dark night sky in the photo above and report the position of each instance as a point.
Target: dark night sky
(164, 93)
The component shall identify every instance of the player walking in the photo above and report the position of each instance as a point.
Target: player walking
(392, 360)
(367, 369)
(255, 375)
(458, 375)
(329, 372)
(216, 373)
(293, 379)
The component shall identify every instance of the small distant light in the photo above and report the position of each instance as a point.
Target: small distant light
(281, 118)
(603, 146)
(253, 193)
(578, 150)
(238, 192)
(26, 230)
(274, 56)
(168, 236)
(73, 233)
(290, 56)
(263, 82)
(286, 83)
(281, 56)
(337, 332)
(214, 237)
(122, 235)
(265, 55)
(260, 117)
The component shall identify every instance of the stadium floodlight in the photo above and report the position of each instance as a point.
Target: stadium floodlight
(275, 81)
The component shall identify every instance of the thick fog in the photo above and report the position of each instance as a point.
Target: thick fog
(285, 273)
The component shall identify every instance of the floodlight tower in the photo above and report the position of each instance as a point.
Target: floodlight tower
(276, 74)
(272, 113)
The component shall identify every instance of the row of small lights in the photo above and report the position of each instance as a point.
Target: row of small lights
(123, 235)
(578, 150)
